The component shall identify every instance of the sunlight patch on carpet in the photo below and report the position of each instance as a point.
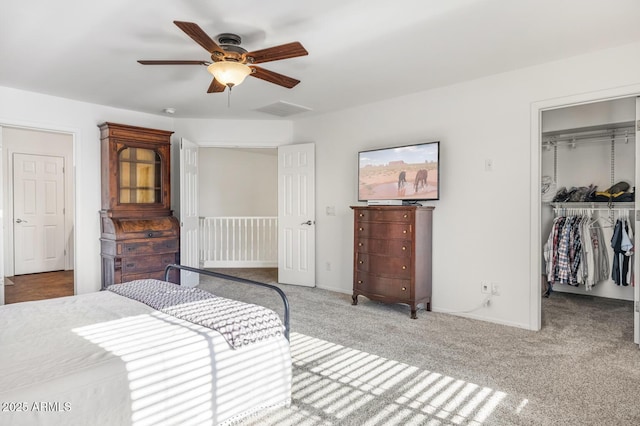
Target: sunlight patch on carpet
(333, 381)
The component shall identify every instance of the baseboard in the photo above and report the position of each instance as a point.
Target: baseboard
(484, 318)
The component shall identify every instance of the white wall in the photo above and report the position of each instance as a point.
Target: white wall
(32, 110)
(225, 133)
(238, 182)
(234, 133)
(482, 220)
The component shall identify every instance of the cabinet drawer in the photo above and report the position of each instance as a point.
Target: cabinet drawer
(399, 267)
(154, 275)
(383, 286)
(150, 247)
(383, 230)
(398, 248)
(174, 276)
(384, 215)
(146, 263)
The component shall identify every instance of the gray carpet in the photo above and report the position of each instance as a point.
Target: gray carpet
(372, 365)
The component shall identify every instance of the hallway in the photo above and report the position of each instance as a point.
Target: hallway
(45, 285)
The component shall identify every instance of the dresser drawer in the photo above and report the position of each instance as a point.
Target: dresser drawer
(146, 263)
(383, 286)
(387, 247)
(151, 246)
(389, 266)
(384, 216)
(383, 230)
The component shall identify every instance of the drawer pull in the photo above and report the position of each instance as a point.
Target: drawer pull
(359, 281)
(404, 289)
(130, 265)
(404, 267)
(360, 262)
(129, 248)
(150, 234)
(404, 248)
(404, 231)
(361, 215)
(359, 244)
(405, 216)
(360, 229)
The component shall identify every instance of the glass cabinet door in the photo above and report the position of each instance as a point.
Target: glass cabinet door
(140, 176)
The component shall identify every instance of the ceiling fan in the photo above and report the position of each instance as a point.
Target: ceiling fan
(232, 63)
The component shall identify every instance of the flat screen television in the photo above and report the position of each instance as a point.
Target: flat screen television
(407, 173)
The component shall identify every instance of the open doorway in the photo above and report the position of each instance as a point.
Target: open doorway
(38, 219)
(588, 178)
(238, 208)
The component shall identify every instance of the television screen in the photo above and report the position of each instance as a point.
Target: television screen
(409, 172)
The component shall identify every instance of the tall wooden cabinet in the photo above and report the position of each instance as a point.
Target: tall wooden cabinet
(392, 254)
(139, 235)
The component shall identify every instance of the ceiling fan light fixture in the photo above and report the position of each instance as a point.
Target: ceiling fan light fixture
(229, 73)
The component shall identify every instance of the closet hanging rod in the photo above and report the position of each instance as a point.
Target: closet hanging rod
(622, 133)
(602, 205)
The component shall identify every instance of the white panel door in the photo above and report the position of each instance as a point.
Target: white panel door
(636, 257)
(189, 254)
(296, 215)
(38, 213)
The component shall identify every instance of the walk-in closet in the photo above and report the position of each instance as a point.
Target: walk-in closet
(588, 223)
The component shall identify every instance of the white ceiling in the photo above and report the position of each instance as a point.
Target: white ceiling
(360, 51)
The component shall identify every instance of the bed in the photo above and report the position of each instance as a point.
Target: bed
(106, 359)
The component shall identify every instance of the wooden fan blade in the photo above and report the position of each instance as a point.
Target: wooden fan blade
(199, 36)
(173, 62)
(216, 87)
(276, 53)
(274, 77)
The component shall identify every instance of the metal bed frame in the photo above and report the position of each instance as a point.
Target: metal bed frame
(285, 301)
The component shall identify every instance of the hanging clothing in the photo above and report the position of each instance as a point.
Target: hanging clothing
(622, 252)
(575, 252)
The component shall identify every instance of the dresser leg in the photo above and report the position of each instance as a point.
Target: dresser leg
(354, 299)
(413, 313)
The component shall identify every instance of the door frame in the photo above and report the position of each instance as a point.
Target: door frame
(535, 256)
(241, 145)
(70, 196)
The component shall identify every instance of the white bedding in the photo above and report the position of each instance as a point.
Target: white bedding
(103, 359)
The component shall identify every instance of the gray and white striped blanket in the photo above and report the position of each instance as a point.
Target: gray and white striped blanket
(240, 323)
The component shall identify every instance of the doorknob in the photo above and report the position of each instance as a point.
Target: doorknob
(20, 221)
(307, 223)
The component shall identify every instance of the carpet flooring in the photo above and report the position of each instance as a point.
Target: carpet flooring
(371, 364)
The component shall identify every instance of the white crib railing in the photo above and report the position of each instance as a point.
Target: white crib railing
(239, 242)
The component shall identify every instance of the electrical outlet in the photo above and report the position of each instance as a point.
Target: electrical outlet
(485, 287)
(495, 289)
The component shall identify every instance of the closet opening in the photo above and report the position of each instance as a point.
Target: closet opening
(587, 226)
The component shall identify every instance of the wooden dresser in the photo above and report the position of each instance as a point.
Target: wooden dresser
(139, 235)
(392, 255)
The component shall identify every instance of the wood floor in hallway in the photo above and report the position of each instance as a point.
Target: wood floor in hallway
(45, 285)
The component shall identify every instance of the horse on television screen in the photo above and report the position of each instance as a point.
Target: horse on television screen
(421, 179)
(402, 180)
